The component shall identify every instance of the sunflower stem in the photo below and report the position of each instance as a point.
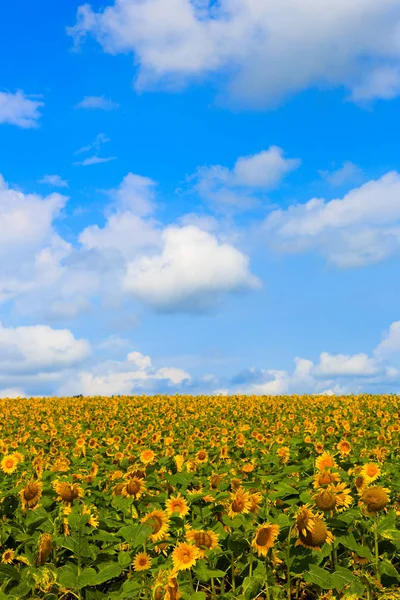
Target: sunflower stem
(289, 582)
(251, 563)
(191, 581)
(233, 572)
(377, 574)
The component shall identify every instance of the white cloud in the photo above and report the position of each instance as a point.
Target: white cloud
(362, 227)
(136, 375)
(97, 143)
(54, 180)
(12, 393)
(342, 365)
(249, 176)
(94, 160)
(37, 348)
(99, 102)
(261, 50)
(390, 343)
(349, 172)
(18, 109)
(135, 194)
(191, 273)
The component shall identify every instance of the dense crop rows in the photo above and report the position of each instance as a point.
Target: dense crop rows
(200, 498)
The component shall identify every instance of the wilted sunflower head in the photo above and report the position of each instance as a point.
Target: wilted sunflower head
(45, 546)
(375, 498)
(325, 500)
(305, 519)
(317, 537)
(30, 494)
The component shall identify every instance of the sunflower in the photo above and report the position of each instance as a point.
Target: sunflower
(184, 556)
(344, 447)
(370, 471)
(203, 540)
(240, 503)
(316, 537)
(325, 461)
(45, 547)
(7, 557)
(264, 538)
(147, 456)
(177, 504)
(284, 454)
(158, 521)
(202, 456)
(375, 499)
(325, 500)
(9, 464)
(305, 519)
(255, 499)
(142, 562)
(67, 492)
(133, 488)
(325, 477)
(30, 495)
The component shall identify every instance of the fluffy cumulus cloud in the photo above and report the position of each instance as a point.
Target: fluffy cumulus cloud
(361, 228)
(241, 186)
(191, 273)
(20, 110)
(332, 374)
(134, 375)
(54, 180)
(261, 49)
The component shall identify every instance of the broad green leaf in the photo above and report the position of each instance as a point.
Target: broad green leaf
(342, 577)
(320, 577)
(106, 573)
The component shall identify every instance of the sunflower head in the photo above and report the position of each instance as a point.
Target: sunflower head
(142, 562)
(305, 519)
(30, 494)
(264, 538)
(185, 556)
(316, 537)
(325, 500)
(375, 498)
(45, 547)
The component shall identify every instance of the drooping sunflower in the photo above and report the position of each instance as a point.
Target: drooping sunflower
(375, 499)
(316, 537)
(142, 562)
(30, 494)
(203, 540)
(158, 521)
(67, 492)
(325, 500)
(305, 519)
(177, 504)
(45, 547)
(184, 556)
(134, 488)
(325, 461)
(9, 464)
(265, 537)
(240, 503)
(202, 456)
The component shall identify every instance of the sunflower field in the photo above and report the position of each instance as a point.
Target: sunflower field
(198, 498)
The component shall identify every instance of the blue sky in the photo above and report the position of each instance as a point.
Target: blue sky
(199, 197)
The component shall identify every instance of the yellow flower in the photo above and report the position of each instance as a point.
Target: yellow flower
(370, 471)
(9, 464)
(203, 540)
(44, 548)
(240, 503)
(158, 521)
(375, 498)
(67, 492)
(264, 538)
(142, 562)
(30, 495)
(316, 537)
(147, 457)
(177, 504)
(7, 557)
(134, 488)
(184, 556)
(325, 461)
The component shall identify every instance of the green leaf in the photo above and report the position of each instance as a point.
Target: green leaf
(10, 572)
(320, 577)
(136, 535)
(124, 559)
(86, 577)
(305, 497)
(349, 541)
(391, 534)
(342, 577)
(198, 596)
(204, 573)
(252, 586)
(108, 572)
(386, 568)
